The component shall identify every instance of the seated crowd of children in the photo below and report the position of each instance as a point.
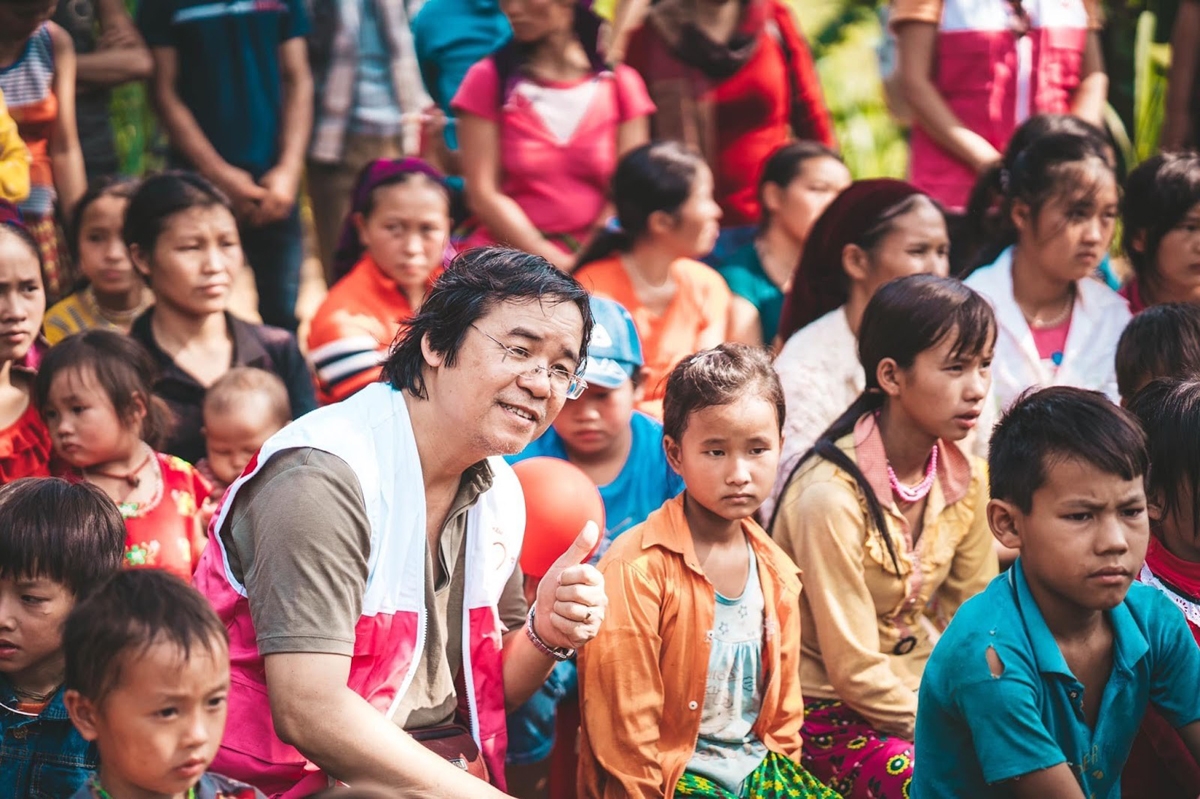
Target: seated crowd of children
(857, 509)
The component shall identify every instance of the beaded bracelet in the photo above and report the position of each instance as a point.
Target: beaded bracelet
(558, 653)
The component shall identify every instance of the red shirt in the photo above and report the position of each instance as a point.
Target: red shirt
(25, 447)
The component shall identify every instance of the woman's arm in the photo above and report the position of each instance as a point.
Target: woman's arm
(1177, 130)
(1092, 93)
(479, 150)
(915, 47)
(975, 562)
(745, 326)
(66, 157)
(121, 55)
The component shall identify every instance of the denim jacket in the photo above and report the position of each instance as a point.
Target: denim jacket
(211, 786)
(41, 757)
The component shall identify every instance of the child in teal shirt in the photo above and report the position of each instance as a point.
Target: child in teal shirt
(1039, 684)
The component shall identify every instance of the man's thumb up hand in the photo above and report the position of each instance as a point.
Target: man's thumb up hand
(570, 597)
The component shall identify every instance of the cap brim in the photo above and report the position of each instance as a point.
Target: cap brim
(606, 373)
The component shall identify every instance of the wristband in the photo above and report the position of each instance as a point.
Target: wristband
(557, 653)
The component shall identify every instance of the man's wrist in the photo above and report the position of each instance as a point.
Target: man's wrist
(558, 653)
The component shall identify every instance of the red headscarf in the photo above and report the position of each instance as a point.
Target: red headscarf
(820, 284)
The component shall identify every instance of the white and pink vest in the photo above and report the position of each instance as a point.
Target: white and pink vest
(372, 433)
(993, 81)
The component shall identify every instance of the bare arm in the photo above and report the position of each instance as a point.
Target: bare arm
(915, 46)
(66, 157)
(479, 151)
(121, 55)
(1056, 782)
(1181, 79)
(315, 711)
(744, 324)
(525, 669)
(282, 182)
(188, 138)
(1092, 93)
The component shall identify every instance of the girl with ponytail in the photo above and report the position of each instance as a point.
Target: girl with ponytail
(666, 218)
(886, 517)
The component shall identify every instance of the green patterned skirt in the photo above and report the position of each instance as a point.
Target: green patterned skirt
(777, 777)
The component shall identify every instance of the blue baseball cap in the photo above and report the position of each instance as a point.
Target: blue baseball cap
(615, 352)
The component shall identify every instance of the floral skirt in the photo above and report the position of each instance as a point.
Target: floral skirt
(842, 750)
(777, 777)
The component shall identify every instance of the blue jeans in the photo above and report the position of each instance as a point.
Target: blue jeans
(275, 252)
(531, 726)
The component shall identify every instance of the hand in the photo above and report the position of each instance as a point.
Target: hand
(281, 188)
(244, 193)
(570, 598)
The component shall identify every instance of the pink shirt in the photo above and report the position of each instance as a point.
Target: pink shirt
(561, 183)
(1050, 343)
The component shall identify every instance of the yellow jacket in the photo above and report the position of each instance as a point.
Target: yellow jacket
(855, 609)
(14, 159)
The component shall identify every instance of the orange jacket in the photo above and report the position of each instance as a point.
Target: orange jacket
(642, 679)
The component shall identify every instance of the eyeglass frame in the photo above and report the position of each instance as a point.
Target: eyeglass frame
(576, 385)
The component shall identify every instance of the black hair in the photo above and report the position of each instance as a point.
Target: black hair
(122, 368)
(107, 186)
(976, 236)
(719, 376)
(1169, 411)
(511, 58)
(161, 196)
(393, 180)
(1161, 341)
(1039, 173)
(14, 223)
(226, 394)
(655, 177)
(1051, 425)
(1158, 195)
(906, 317)
(785, 165)
(475, 283)
(71, 533)
(133, 611)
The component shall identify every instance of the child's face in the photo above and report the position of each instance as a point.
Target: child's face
(697, 222)
(917, 244)
(103, 258)
(22, 298)
(32, 613)
(1178, 530)
(942, 393)
(195, 260)
(407, 230)
(159, 729)
(1177, 262)
(598, 422)
(234, 438)
(728, 455)
(1071, 232)
(1084, 538)
(85, 428)
(802, 201)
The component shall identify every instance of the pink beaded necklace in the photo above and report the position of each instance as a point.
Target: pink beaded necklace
(920, 490)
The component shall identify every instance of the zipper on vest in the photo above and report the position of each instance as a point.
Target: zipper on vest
(422, 631)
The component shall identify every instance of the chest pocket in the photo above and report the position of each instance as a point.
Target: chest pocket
(58, 780)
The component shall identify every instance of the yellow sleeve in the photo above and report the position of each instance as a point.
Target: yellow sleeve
(14, 158)
(975, 562)
(823, 527)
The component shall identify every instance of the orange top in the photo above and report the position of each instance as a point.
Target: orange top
(701, 300)
(642, 679)
(353, 329)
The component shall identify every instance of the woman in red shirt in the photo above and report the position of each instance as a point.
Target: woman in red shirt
(735, 80)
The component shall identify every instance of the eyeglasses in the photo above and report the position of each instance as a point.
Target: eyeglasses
(562, 380)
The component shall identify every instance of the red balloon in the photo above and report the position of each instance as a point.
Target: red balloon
(559, 500)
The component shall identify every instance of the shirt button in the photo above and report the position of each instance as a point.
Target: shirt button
(691, 706)
(1073, 695)
(20, 733)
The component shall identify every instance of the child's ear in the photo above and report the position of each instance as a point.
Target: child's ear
(83, 714)
(855, 263)
(1155, 507)
(138, 407)
(660, 222)
(639, 383)
(887, 374)
(671, 447)
(360, 224)
(1021, 216)
(1002, 518)
(1137, 241)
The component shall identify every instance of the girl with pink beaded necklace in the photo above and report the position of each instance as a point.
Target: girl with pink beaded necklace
(886, 517)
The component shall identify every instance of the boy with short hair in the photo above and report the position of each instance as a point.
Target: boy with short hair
(58, 542)
(621, 449)
(147, 680)
(1038, 685)
(1161, 341)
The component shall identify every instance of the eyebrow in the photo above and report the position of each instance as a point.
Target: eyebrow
(529, 335)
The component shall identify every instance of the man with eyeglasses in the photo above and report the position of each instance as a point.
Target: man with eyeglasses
(366, 561)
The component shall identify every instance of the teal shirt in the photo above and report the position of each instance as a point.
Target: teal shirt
(974, 730)
(743, 271)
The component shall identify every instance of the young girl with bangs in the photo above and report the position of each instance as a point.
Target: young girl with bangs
(886, 518)
(1058, 326)
(666, 219)
(1160, 218)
